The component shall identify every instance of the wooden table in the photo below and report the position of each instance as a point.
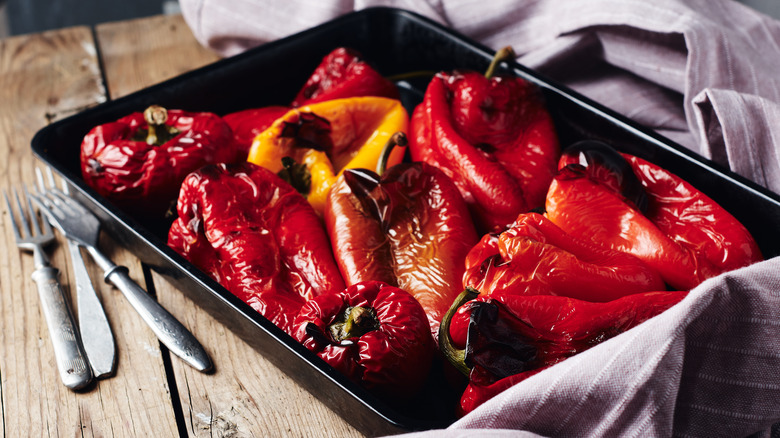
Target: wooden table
(51, 75)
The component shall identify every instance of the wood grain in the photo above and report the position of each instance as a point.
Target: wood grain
(139, 53)
(44, 77)
(247, 395)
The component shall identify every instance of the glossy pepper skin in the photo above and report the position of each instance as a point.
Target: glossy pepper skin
(375, 334)
(246, 124)
(535, 257)
(409, 228)
(343, 73)
(681, 233)
(139, 161)
(328, 137)
(253, 233)
(493, 137)
(502, 339)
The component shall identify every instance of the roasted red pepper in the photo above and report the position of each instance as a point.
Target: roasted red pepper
(661, 219)
(343, 73)
(502, 339)
(409, 228)
(535, 257)
(373, 333)
(493, 136)
(257, 236)
(139, 161)
(247, 124)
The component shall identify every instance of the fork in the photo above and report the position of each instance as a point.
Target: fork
(96, 335)
(68, 351)
(77, 223)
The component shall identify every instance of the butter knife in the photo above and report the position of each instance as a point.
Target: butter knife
(96, 335)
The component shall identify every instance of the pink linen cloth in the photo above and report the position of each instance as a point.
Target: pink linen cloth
(706, 74)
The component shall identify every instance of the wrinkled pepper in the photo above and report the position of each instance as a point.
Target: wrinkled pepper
(140, 160)
(312, 145)
(246, 124)
(500, 340)
(625, 203)
(255, 235)
(408, 227)
(375, 334)
(343, 73)
(493, 136)
(535, 257)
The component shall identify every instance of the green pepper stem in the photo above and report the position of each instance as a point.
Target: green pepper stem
(457, 357)
(411, 75)
(355, 322)
(297, 175)
(505, 54)
(397, 139)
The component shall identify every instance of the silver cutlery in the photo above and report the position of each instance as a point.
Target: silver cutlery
(68, 351)
(96, 335)
(76, 222)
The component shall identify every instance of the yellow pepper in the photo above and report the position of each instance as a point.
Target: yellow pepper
(328, 137)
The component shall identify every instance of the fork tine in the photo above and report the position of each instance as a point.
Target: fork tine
(49, 204)
(46, 207)
(22, 215)
(12, 216)
(39, 179)
(65, 186)
(50, 178)
(51, 192)
(34, 216)
(67, 202)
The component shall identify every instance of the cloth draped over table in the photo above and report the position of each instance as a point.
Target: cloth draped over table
(704, 73)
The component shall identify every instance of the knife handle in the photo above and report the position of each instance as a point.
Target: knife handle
(168, 329)
(68, 351)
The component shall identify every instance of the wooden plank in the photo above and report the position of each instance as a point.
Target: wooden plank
(143, 52)
(247, 395)
(44, 77)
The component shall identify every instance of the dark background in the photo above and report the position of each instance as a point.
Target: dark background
(27, 16)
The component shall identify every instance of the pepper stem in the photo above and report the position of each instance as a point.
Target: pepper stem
(397, 139)
(297, 175)
(505, 54)
(158, 133)
(354, 323)
(457, 357)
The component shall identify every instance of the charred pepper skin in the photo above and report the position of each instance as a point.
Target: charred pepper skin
(255, 235)
(409, 228)
(536, 257)
(375, 334)
(508, 338)
(493, 136)
(328, 137)
(682, 234)
(127, 163)
(343, 73)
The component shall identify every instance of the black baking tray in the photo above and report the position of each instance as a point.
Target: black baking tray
(396, 42)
